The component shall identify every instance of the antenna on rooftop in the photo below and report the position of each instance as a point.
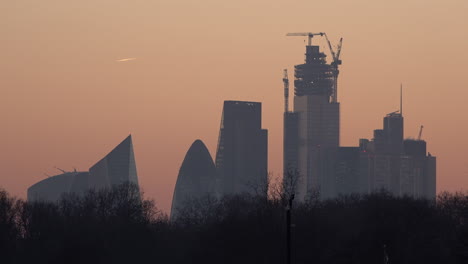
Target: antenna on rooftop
(63, 171)
(401, 99)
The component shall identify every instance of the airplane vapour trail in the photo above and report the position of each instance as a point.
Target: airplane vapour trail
(126, 59)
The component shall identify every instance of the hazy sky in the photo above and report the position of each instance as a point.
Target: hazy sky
(66, 99)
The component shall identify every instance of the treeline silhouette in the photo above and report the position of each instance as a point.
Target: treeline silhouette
(118, 226)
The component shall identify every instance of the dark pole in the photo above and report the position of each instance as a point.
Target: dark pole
(288, 230)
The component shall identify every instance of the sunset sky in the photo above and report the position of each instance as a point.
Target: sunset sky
(76, 77)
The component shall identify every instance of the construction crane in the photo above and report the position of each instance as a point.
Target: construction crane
(335, 56)
(420, 132)
(286, 90)
(310, 35)
(335, 64)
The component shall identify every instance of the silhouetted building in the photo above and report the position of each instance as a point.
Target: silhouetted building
(347, 171)
(115, 168)
(415, 148)
(316, 118)
(418, 170)
(80, 183)
(393, 133)
(242, 153)
(52, 188)
(396, 165)
(429, 183)
(290, 142)
(197, 177)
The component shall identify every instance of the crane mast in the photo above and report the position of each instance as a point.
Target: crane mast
(335, 64)
(420, 132)
(286, 90)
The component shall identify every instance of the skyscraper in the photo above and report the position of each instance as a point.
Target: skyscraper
(241, 156)
(197, 177)
(316, 120)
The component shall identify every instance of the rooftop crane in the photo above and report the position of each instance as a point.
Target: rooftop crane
(335, 63)
(420, 132)
(310, 35)
(286, 90)
(335, 56)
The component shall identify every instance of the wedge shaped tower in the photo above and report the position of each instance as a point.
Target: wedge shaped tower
(116, 167)
(196, 177)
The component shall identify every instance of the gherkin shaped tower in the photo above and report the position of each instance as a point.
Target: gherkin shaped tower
(196, 178)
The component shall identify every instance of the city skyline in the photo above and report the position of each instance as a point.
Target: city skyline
(53, 95)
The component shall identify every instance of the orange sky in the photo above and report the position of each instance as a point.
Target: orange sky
(66, 101)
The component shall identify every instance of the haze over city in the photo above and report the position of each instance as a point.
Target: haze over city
(77, 78)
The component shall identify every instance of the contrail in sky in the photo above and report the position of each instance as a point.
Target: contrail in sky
(126, 59)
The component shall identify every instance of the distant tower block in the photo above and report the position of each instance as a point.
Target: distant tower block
(241, 156)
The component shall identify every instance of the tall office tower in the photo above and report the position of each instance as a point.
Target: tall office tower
(393, 136)
(241, 157)
(383, 156)
(197, 177)
(393, 133)
(316, 120)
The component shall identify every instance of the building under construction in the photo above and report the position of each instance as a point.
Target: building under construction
(312, 129)
(312, 152)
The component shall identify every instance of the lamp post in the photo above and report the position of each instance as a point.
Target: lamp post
(288, 229)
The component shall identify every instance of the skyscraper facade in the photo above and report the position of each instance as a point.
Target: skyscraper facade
(242, 152)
